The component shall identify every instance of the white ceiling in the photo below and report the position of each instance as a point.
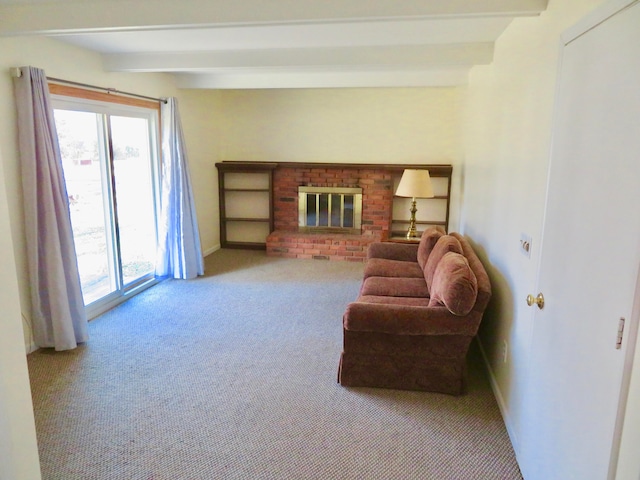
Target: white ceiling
(279, 43)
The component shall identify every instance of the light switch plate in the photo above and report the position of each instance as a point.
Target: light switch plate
(525, 245)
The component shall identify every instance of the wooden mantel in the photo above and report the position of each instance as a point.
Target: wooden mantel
(435, 170)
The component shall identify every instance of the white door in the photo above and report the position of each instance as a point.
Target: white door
(590, 255)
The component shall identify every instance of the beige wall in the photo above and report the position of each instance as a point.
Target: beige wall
(355, 125)
(375, 125)
(508, 129)
(202, 120)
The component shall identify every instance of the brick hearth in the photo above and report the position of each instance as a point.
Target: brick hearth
(332, 246)
(377, 197)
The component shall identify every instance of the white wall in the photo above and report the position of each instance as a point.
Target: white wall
(628, 464)
(18, 448)
(507, 143)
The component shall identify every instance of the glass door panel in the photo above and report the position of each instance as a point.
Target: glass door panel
(84, 163)
(135, 208)
(108, 160)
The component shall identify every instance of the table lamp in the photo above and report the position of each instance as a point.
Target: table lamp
(414, 184)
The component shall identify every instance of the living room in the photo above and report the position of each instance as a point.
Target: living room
(496, 131)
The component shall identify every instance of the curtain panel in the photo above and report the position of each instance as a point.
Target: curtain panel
(57, 308)
(179, 250)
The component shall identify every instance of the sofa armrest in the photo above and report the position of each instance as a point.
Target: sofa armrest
(406, 252)
(408, 320)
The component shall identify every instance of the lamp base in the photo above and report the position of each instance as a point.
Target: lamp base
(411, 233)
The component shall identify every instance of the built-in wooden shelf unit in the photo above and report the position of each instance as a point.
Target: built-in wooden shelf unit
(246, 191)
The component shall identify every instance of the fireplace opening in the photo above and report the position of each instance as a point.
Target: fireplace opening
(330, 209)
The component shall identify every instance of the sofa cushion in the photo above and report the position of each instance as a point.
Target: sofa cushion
(394, 287)
(411, 301)
(382, 267)
(428, 240)
(406, 252)
(445, 243)
(454, 284)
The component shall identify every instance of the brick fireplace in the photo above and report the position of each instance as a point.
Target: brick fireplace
(377, 197)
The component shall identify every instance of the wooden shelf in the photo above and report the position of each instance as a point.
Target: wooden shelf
(435, 170)
(423, 222)
(246, 245)
(247, 190)
(403, 233)
(240, 219)
(435, 209)
(403, 239)
(231, 234)
(437, 197)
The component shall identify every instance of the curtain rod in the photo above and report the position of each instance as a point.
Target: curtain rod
(106, 89)
(17, 72)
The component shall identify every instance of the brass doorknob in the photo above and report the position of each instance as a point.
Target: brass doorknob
(539, 300)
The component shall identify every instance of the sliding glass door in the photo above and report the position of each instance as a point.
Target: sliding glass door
(109, 156)
(135, 205)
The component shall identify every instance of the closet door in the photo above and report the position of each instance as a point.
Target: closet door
(590, 256)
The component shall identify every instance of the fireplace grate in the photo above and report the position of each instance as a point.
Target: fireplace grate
(330, 209)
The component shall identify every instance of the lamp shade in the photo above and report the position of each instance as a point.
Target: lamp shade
(415, 184)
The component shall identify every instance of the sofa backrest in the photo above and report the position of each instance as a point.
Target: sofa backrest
(484, 285)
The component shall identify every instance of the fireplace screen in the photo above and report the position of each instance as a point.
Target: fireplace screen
(330, 209)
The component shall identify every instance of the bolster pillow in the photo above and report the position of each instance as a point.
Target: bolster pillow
(445, 243)
(454, 284)
(428, 240)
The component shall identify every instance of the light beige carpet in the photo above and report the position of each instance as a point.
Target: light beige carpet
(233, 376)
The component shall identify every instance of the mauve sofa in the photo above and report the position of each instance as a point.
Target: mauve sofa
(419, 307)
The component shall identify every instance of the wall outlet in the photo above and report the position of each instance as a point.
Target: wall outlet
(525, 244)
(505, 350)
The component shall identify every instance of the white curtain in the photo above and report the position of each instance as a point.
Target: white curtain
(58, 314)
(179, 251)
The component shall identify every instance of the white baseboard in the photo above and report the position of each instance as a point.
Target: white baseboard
(209, 251)
(504, 411)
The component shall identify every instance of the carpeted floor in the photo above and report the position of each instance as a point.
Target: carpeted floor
(233, 376)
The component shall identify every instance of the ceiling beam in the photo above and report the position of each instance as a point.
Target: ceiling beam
(401, 57)
(316, 35)
(454, 76)
(64, 16)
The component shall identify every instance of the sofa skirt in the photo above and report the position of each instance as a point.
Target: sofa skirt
(422, 363)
